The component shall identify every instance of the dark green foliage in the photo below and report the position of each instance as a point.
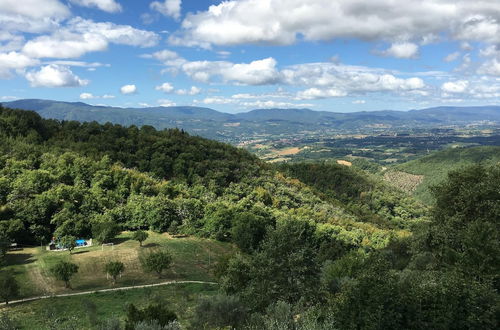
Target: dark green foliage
(9, 289)
(104, 230)
(140, 236)
(158, 313)
(156, 261)
(465, 229)
(284, 268)
(114, 269)
(248, 230)
(63, 271)
(219, 312)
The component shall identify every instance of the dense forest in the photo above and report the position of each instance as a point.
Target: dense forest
(321, 246)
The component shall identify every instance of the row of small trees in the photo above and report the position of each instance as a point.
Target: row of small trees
(156, 261)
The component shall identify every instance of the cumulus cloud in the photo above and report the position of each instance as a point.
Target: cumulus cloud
(53, 75)
(81, 36)
(402, 50)
(35, 9)
(192, 91)
(334, 80)
(109, 6)
(284, 22)
(171, 8)
(87, 96)
(90, 96)
(128, 89)
(32, 16)
(15, 60)
(259, 72)
(459, 86)
(165, 87)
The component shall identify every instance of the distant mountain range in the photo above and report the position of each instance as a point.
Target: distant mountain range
(231, 127)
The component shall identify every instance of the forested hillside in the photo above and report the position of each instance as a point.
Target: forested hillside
(435, 167)
(319, 246)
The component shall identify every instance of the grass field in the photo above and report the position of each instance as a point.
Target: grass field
(192, 260)
(84, 312)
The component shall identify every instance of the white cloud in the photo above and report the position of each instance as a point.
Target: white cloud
(128, 89)
(284, 22)
(317, 93)
(171, 8)
(165, 87)
(260, 72)
(334, 80)
(491, 67)
(192, 91)
(90, 96)
(106, 5)
(79, 64)
(459, 86)
(15, 60)
(87, 96)
(53, 75)
(358, 102)
(163, 55)
(35, 9)
(166, 103)
(402, 50)
(65, 45)
(452, 57)
(33, 16)
(81, 36)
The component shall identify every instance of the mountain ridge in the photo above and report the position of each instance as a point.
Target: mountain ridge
(223, 126)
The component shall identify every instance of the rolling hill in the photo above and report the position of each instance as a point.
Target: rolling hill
(227, 127)
(435, 167)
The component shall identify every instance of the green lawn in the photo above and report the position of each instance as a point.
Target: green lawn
(192, 260)
(84, 312)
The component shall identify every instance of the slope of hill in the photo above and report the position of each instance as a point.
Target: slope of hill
(236, 127)
(435, 167)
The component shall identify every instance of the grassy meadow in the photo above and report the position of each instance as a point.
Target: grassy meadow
(192, 260)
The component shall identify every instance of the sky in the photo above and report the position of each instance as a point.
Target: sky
(238, 55)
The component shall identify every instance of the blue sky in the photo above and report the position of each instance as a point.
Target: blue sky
(238, 55)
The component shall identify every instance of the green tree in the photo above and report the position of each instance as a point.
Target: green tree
(105, 231)
(140, 236)
(464, 232)
(156, 261)
(158, 313)
(114, 269)
(68, 242)
(63, 271)
(9, 288)
(248, 230)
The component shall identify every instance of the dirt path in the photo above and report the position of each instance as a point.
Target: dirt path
(105, 290)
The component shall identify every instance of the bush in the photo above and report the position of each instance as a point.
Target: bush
(156, 262)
